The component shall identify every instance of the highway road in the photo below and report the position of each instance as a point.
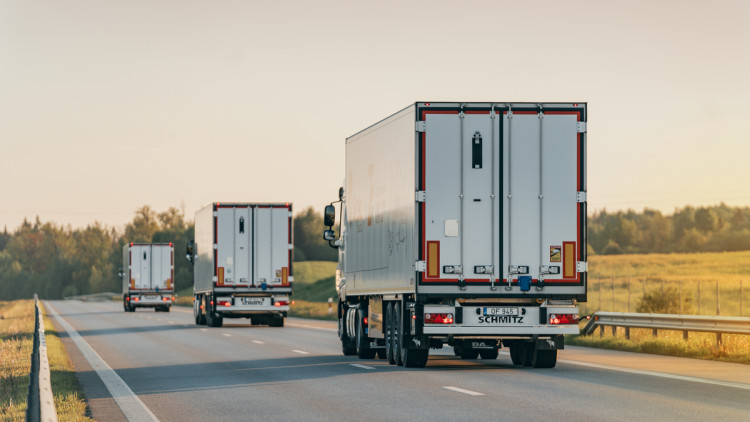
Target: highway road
(161, 366)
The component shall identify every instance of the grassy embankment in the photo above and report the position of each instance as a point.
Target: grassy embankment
(618, 283)
(313, 285)
(17, 336)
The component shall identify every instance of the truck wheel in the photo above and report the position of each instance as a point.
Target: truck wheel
(518, 353)
(347, 346)
(131, 307)
(217, 321)
(398, 333)
(362, 342)
(382, 354)
(167, 308)
(489, 354)
(202, 311)
(544, 359)
(276, 322)
(389, 334)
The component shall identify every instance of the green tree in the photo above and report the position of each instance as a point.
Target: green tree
(308, 237)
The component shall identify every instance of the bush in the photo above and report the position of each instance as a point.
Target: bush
(666, 302)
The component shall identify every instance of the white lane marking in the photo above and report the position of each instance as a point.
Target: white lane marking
(359, 365)
(129, 403)
(313, 327)
(258, 342)
(172, 322)
(301, 352)
(226, 335)
(461, 390)
(148, 317)
(204, 329)
(159, 319)
(660, 374)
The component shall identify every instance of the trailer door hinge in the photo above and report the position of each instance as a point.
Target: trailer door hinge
(421, 126)
(421, 266)
(581, 127)
(581, 196)
(582, 266)
(420, 196)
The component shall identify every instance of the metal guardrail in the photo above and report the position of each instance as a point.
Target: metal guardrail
(41, 402)
(685, 323)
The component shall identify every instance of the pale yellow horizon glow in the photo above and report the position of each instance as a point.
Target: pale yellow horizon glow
(108, 106)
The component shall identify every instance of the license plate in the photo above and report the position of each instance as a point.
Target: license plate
(151, 298)
(500, 311)
(258, 301)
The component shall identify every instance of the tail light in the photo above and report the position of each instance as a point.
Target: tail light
(364, 321)
(279, 303)
(165, 299)
(224, 303)
(558, 319)
(173, 299)
(136, 298)
(438, 318)
(127, 298)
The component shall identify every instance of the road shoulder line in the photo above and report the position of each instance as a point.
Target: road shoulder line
(129, 403)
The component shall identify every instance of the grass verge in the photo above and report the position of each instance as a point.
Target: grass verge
(17, 335)
(733, 348)
(314, 310)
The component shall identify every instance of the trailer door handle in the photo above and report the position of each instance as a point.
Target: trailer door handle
(242, 224)
(476, 150)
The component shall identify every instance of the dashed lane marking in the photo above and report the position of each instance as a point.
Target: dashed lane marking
(301, 352)
(359, 365)
(226, 335)
(461, 390)
(258, 342)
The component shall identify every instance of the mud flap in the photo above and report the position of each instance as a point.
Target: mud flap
(554, 343)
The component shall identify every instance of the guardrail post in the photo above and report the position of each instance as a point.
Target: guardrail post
(655, 332)
(614, 331)
(627, 333)
(685, 335)
(601, 331)
(718, 339)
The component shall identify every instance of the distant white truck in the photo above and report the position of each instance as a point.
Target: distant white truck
(242, 261)
(147, 276)
(463, 224)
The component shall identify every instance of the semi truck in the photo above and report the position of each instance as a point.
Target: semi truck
(147, 276)
(463, 225)
(242, 262)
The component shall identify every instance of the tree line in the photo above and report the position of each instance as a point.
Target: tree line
(717, 228)
(56, 261)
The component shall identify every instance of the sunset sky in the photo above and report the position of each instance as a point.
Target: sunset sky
(108, 106)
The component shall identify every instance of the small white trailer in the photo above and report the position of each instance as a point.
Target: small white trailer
(242, 261)
(147, 276)
(463, 224)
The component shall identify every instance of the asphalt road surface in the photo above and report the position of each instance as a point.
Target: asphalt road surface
(160, 366)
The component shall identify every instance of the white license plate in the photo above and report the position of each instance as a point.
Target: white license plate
(500, 311)
(256, 301)
(150, 298)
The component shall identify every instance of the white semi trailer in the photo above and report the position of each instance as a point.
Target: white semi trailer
(463, 224)
(242, 261)
(147, 276)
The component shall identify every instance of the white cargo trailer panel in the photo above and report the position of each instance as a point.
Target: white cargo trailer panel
(481, 199)
(243, 246)
(150, 267)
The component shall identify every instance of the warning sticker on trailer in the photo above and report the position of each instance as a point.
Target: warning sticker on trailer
(555, 254)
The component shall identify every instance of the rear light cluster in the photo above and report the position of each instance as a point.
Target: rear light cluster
(165, 299)
(438, 318)
(223, 303)
(136, 298)
(556, 319)
(280, 303)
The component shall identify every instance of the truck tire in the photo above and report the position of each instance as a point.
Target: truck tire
(131, 307)
(167, 308)
(544, 359)
(362, 342)
(469, 353)
(197, 313)
(389, 354)
(276, 322)
(382, 354)
(347, 345)
(489, 354)
(398, 333)
(518, 353)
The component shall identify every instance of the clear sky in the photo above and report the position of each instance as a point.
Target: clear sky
(109, 105)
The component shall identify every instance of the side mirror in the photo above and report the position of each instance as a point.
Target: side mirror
(120, 273)
(190, 252)
(341, 193)
(329, 216)
(329, 235)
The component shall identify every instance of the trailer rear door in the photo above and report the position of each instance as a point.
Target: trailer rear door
(253, 245)
(503, 199)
